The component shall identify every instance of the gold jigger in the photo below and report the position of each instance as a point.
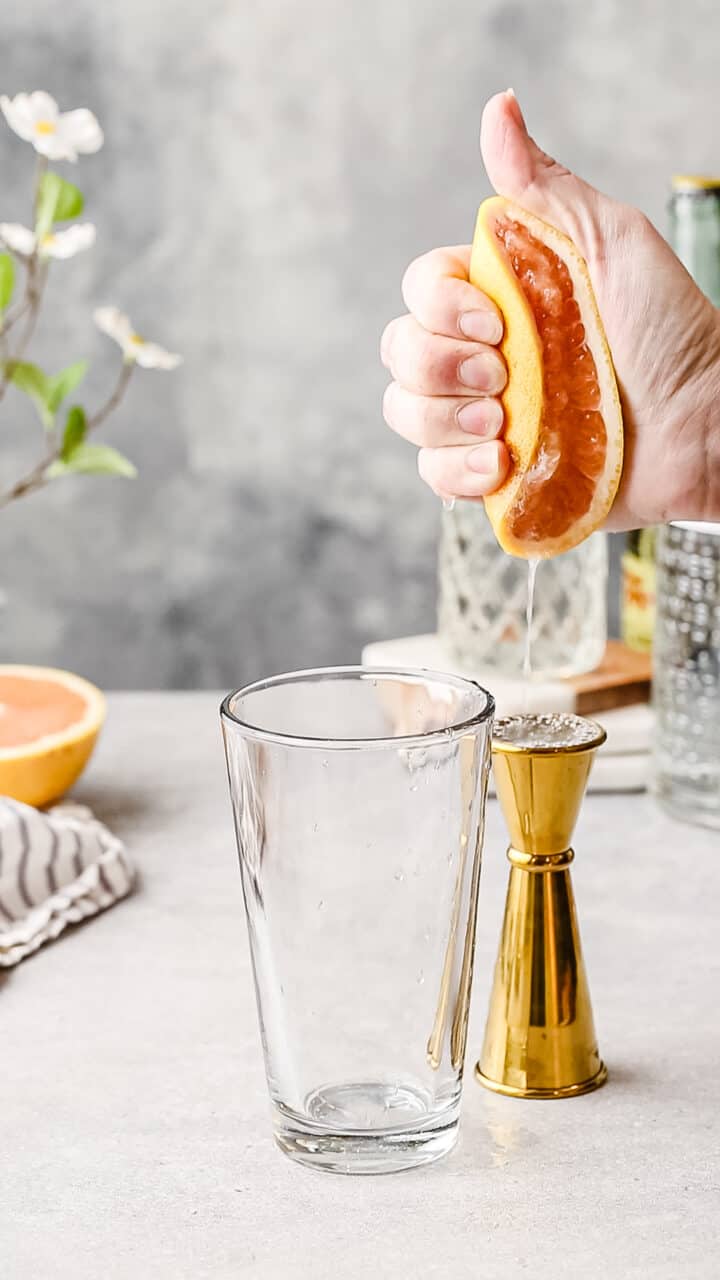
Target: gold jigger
(539, 1038)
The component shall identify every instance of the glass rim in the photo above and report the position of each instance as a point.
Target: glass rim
(711, 527)
(456, 730)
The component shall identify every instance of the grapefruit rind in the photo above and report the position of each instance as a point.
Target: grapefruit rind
(491, 271)
(41, 771)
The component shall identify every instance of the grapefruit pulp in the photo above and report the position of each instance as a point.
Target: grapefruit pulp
(49, 723)
(563, 421)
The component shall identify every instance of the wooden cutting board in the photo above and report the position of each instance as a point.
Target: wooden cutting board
(622, 679)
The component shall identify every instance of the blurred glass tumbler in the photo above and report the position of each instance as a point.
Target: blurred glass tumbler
(359, 798)
(686, 678)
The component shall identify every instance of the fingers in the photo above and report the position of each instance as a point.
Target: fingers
(438, 293)
(437, 421)
(433, 365)
(465, 472)
(446, 374)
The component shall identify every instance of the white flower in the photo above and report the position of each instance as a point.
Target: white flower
(18, 238)
(54, 244)
(134, 348)
(59, 135)
(66, 243)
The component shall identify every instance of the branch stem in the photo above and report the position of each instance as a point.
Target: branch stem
(37, 477)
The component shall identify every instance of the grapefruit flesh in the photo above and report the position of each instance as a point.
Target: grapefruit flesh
(49, 723)
(563, 424)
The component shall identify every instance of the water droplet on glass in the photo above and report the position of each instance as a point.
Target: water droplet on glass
(321, 905)
(315, 828)
(448, 504)
(420, 978)
(399, 875)
(414, 786)
(324, 764)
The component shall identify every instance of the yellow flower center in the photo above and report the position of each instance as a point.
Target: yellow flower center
(136, 340)
(48, 240)
(45, 126)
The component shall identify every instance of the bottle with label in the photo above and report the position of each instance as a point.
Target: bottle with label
(694, 233)
(637, 606)
(695, 230)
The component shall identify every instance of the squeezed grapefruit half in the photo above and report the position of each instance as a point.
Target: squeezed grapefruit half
(49, 723)
(563, 421)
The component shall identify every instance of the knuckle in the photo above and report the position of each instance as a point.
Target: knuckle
(421, 281)
(425, 421)
(387, 402)
(429, 364)
(387, 340)
(408, 281)
(426, 466)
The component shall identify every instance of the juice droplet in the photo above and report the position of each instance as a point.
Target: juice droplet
(529, 611)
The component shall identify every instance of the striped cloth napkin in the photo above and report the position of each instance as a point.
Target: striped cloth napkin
(56, 868)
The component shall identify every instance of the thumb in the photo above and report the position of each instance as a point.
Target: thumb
(519, 170)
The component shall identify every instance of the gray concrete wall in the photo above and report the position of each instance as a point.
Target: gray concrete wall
(269, 169)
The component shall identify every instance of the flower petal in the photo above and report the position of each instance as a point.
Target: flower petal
(66, 243)
(150, 356)
(18, 238)
(80, 131)
(19, 114)
(54, 146)
(42, 106)
(115, 324)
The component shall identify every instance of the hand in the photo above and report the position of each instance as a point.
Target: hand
(664, 336)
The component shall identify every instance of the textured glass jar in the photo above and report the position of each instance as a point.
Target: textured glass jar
(484, 594)
(686, 689)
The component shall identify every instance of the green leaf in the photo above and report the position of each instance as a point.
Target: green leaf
(94, 459)
(30, 379)
(46, 393)
(70, 202)
(62, 383)
(7, 279)
(74, 433)
(57, 201)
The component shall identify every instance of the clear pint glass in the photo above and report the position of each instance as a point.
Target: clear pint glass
(358, 797)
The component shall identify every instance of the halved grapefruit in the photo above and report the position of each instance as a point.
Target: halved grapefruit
(563, 421)
(49, 723)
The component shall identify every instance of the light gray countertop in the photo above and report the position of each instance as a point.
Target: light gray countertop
(135, 1133)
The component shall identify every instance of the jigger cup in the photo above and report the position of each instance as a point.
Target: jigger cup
(359, 796)
(540, 1038)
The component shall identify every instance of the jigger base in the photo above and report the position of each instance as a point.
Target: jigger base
(565, 1091)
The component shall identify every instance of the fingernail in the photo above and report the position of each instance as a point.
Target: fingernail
(515, 107)
(481, 418)
(481, 326)
(483, 372)
(483, 460)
